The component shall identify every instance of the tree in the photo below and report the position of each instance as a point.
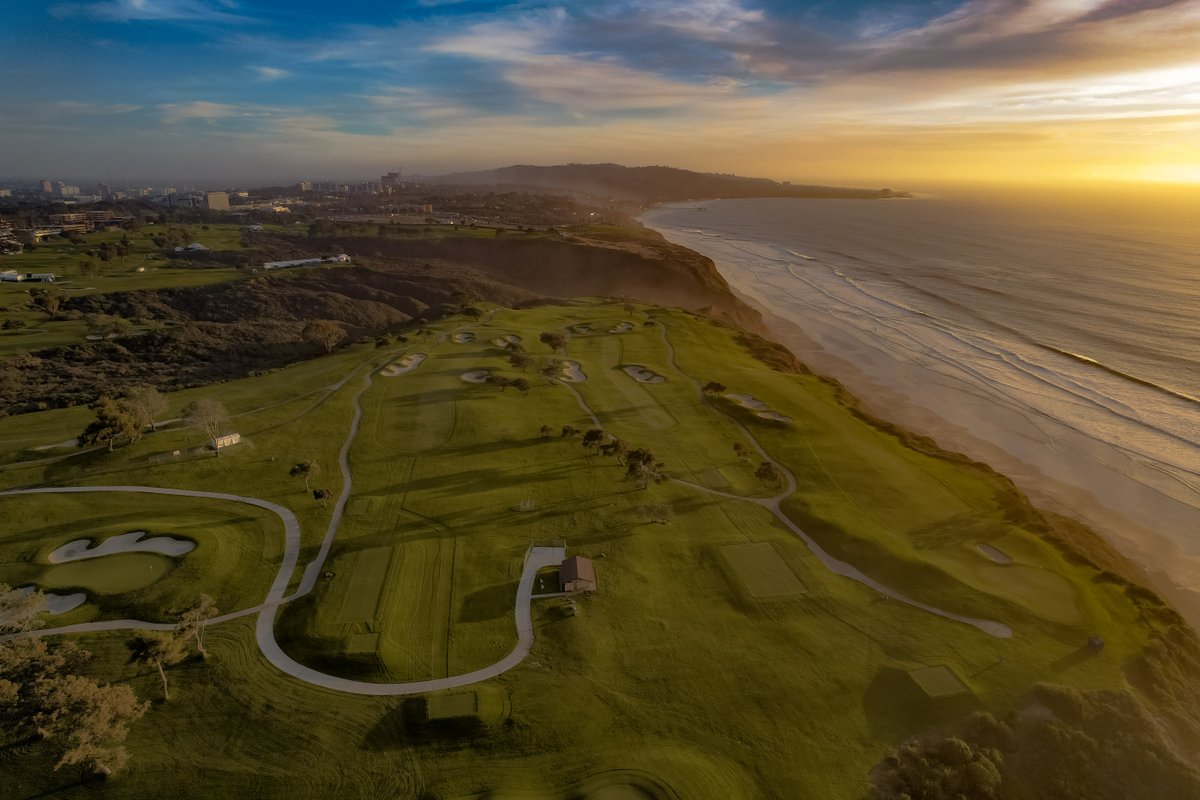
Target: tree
(950, 768)
(546, 431)
(569, 431)
(324, 332)
(769, 473)
(499, 380)
(105, 325)
(520, 361)
(615, 447)
(192, 621)
(158, 648)
(305, 469)
(113, 418)
(147, 404)
(47, 298)
(42, 697)
(740, 450)
(593, 438)
(714, 387)
(321, 495)
(641, 466)
(554, 340)
(208, 416)
(520, 384)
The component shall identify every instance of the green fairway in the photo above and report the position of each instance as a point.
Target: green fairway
(720, 658)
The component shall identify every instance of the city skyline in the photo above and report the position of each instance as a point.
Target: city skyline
(863, 93)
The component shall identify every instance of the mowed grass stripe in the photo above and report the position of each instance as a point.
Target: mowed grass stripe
(761, 569)
(370, 570)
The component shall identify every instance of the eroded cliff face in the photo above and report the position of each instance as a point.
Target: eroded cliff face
(647, 268)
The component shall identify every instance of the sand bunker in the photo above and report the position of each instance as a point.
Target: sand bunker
(504, 341)
(58, 603)
(570, 372)
(476, 376)
(624, 327)
(581, 328)
(642, 375)
(466, 337)
(995, 554)
(406, 364)
(761, 409)
(132, 542)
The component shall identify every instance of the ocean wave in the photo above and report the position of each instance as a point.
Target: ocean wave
(1122, 374)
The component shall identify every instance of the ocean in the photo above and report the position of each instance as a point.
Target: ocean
(1056, 338)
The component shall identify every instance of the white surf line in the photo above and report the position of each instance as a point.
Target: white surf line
(837, 566)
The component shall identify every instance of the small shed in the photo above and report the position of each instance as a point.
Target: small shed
(221, 442)
(577, 574)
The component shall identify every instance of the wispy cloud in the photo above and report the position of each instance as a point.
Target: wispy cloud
(271, 73)
(154, 10)
(202, 110)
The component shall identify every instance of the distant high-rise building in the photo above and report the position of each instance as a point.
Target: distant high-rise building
(216, 201)
(168, 190)
(103, 189)
(47, 187)
(306, 186)
(67, 190)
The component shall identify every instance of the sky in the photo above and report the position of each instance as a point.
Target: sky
(853, 92)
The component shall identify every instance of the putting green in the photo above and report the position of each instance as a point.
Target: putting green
(939, 681)
(115, 574)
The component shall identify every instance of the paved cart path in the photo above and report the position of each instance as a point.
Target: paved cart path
(535, 559)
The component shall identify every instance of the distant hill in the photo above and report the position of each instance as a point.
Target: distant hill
(649, 184)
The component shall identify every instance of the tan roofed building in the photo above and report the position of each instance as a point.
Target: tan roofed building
(577, 574)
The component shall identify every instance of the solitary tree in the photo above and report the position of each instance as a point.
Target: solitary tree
(554, 340)
(740, 450)
(147, 404)
(158, 648)
(714, 387)
(324, 332)
(305, 469)
(546, 431)
(569, 431)
(520, 384)
(208, 416)
(321, 495)
(192, 621)
(641, 466)
(769, 473)
(113, 418)
(520, 361)
(47, 298)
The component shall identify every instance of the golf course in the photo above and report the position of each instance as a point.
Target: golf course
(755, 632)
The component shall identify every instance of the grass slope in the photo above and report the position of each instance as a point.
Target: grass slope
(672, 681)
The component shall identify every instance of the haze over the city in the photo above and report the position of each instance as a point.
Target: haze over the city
(871, 93)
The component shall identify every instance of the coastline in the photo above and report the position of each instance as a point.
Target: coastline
(1120, 537)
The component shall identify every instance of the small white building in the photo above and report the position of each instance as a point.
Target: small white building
(194, 247)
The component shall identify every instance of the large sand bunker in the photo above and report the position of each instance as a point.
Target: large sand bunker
(624, 327)
(642, 375)
(505, 341)
(406, 364)
(581, 328)
(465, 337)
(571, 372)
(760, 409)
(995, 554)
(58, 603)
(132, 542)
(476, 376)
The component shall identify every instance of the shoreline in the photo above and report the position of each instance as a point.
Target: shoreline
(1113, 531)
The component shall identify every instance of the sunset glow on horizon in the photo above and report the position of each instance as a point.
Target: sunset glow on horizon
(862, 93)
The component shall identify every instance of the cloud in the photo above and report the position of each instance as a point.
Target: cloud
(271, 73)
(153, 10)
(98, 109)
(174, 113)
